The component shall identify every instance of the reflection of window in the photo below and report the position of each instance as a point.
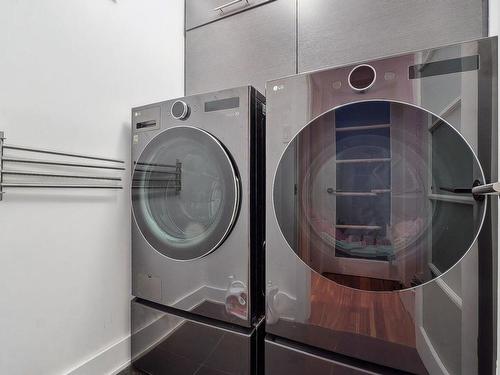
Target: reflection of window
(452, 167)
(363, 201)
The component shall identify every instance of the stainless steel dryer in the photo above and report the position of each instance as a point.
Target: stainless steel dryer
(381, 245)
(197, 230)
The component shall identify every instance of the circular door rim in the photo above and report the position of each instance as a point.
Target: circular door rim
(472, 243)
(235, 204)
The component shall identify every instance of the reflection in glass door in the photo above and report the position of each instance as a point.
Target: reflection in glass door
(362, 192)
(376, 189)
(185, 193)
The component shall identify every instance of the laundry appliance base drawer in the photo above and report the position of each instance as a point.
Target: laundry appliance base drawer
(166, 343)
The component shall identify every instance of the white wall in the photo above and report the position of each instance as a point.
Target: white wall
(69, 73)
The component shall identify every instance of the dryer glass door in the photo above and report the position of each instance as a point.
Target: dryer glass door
(185, 193)
(382, 196)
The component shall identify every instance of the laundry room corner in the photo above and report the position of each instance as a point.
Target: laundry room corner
(249, 187)
(70, 71)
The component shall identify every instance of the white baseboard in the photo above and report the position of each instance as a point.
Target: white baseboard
(121, 368)
(429, 355)
(108, 361)
(116, 357)
(203, 293)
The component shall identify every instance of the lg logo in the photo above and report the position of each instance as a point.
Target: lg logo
(278, 88)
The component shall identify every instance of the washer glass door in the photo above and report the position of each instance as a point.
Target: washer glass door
(382, 196)
(185, 193)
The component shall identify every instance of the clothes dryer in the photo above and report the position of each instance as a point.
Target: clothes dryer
(380, 243)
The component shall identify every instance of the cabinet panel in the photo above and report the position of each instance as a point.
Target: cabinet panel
(335, 32)
(248, 48)
(201, 12)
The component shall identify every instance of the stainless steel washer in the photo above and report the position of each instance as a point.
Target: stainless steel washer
(197, 228)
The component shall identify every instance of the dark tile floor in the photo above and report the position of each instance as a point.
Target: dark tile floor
(131, 371)
(195, 349)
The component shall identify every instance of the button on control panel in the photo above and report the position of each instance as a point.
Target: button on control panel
(362, 77)
(179, 110)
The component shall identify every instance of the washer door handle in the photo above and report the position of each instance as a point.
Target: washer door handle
(478, 190)
(493, 188)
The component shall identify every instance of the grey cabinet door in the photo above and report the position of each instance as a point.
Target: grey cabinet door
(335, 32)
(248, 48)
(200, 12)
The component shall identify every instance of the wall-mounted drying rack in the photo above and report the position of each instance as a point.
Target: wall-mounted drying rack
(110, 164)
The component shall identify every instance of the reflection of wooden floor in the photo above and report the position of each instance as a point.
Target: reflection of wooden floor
(364, 283)
(376, 314)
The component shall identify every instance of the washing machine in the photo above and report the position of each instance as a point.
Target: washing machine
(198, 216)
(381, 239)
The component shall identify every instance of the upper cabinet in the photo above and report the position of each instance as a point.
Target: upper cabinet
(247, 47)
(200, 12)
(335, 32)
(232, 43)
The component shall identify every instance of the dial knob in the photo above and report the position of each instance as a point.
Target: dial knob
(179, 110)
(362, 77)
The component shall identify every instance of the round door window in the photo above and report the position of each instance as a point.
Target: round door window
(376, 195)
(185, 193)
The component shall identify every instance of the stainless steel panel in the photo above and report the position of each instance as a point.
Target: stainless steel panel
(398, 329)
(201, 12)
(336, 32)
(165, 343)
(286, 360)
(249, 48)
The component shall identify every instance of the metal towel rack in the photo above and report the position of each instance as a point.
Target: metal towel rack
(112, 164)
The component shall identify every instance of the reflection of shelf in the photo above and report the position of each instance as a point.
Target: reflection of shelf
(381, 191)
(154, 171)
(372, 193)
(376, 160)
(408, 194)
(365, 127)
(360, 227)
(158, 187)
(354, 194)
(452, 198)
(445, 287)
